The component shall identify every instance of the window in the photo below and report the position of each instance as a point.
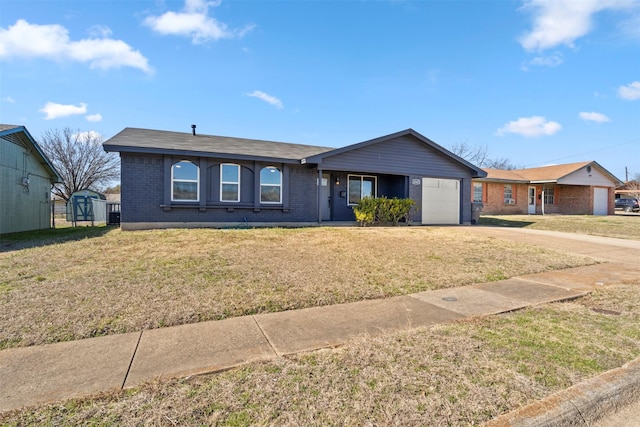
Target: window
(360, 187)
(270, 185)
(185, 182)
(477, 192)
(508, 195)
(549, 196)
(229, 182)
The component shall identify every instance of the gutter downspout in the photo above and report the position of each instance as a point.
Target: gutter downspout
(542, 204)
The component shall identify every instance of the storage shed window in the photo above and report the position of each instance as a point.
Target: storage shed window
(270, 185)
(229, 182)
(360, 187)
(185, 182)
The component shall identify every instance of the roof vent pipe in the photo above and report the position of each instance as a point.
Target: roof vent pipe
(193, 129)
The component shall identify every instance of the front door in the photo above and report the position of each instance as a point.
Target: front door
(532, 200)
(325, 197)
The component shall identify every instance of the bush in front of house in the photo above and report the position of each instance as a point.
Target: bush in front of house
(382, 210)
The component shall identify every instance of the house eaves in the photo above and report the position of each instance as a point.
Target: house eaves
(21, 136)
(544, 181)
(318, 158)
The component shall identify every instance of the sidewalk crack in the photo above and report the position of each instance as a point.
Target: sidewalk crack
(133, 356)
(265, 337)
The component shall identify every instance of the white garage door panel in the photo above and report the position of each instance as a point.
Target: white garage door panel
(600, 201)
(440, 201)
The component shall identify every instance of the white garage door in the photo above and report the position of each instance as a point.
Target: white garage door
(440, 201)
(600, 201)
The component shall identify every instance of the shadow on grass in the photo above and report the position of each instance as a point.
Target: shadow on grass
(31, 239)
(499, 222)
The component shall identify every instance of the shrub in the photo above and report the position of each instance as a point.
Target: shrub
(366, 211)
(381, 210)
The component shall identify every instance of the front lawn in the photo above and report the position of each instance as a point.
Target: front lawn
(72, 285)
(621, 226)
(458, 374)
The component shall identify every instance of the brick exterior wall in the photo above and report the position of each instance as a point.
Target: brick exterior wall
(146, 194)
(493, 199)
(415, 193)
(143, 178)
(572, 200)
(568, 200)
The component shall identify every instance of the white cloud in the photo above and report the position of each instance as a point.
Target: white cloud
(631, 26)
(195, 22)
(54, 111)
(266, 98)
(533, 126)
(94, 117)
(8, 99)
(90, 136)
(100, 31)
(561, 22)
(25, 40)
(594, 117)
(630, 92)
(548, 61)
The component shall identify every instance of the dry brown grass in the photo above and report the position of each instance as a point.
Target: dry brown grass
(451, 375)
(621, 226)
(114, 281)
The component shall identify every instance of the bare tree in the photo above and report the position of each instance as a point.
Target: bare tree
(479, 156)
(633, 187)
(80, 160)
(502, 163)
(476, 155)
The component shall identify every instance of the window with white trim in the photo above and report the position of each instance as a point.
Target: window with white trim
(477, 192)
(360, 186)
(549, 196)
(185, 182)
(229, 182)
(508, 195)
(270, 185)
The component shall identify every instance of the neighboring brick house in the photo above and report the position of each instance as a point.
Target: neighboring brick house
(173, 179)
(584, 188)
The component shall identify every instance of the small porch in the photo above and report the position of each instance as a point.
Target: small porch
(340, 191)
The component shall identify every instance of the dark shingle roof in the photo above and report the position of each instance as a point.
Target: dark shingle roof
(150, 141)
(7, 127)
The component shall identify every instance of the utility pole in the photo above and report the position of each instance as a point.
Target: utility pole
(626, 174)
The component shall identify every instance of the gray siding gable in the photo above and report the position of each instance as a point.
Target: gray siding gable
(21, 136)
(404, 153)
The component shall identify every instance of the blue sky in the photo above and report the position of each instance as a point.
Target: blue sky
(538, 81)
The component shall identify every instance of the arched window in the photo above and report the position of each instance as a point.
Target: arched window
(270, 185)
(185, 182)
(229, 182)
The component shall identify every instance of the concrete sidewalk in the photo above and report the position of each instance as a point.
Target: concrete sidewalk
(35, 375)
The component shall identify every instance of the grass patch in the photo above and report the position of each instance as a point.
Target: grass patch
(618, 226)
(49, 236)
(92, 281)
(463, 373)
